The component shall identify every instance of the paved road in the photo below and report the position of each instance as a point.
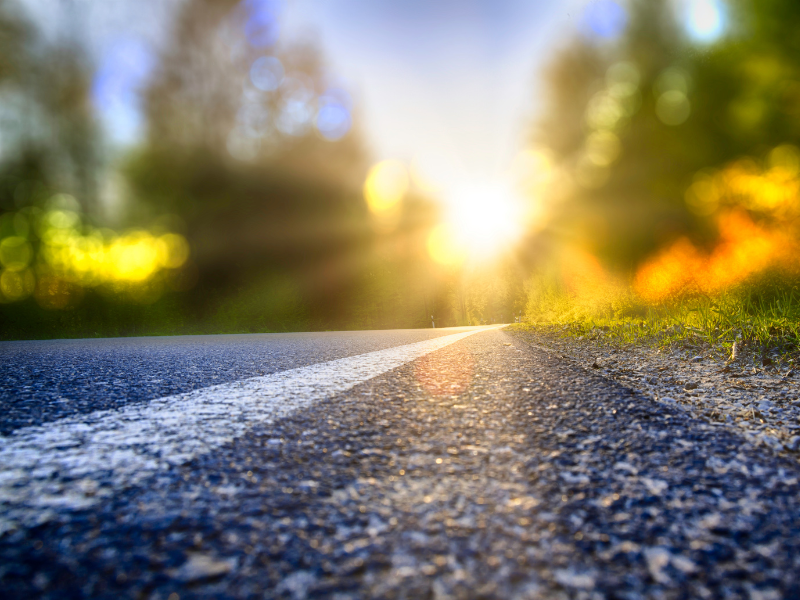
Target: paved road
(432, 464)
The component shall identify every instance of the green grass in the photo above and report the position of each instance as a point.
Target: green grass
(762, 316)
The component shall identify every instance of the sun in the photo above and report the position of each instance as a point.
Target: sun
(482, 218)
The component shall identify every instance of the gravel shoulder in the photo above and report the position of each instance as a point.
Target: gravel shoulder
(762, 403)
(488, 469)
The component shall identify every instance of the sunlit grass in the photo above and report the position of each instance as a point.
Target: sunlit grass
(762, 317)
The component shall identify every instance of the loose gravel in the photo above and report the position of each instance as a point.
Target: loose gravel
(760, 402)
(489, 469)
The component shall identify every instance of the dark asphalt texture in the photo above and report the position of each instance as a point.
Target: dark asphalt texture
(41, 381)
(486, 470)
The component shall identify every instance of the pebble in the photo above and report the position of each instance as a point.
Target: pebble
(202, 566)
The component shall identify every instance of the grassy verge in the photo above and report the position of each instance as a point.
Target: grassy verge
(762, 323)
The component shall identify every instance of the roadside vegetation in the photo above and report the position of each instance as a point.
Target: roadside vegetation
(760, 320)
(681, 228)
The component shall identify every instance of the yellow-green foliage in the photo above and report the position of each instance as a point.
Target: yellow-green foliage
(489, 295)
(553, 297)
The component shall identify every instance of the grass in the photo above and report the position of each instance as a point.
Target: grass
(761, 317)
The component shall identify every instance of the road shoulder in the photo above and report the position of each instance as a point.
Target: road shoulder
(760, 403)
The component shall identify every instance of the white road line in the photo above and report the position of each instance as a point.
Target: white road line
(71, 463)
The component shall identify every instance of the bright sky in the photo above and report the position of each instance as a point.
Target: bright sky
(453, 77)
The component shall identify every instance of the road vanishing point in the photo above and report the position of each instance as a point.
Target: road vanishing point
(432, 463)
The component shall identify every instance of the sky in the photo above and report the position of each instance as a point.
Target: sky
(454, 78)
(430, 78)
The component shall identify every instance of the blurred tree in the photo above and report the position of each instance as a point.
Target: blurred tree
(633, 121)
(493, 293)
(252, 146)
(49, 141)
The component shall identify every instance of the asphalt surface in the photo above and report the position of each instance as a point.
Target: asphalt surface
(485, 469)
(41, 381)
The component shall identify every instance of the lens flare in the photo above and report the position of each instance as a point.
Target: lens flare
(443, 375)
(485, 215)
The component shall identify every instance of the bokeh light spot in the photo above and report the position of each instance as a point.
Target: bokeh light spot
(266, 73)
(603, 148)
(604, 19)
(622, 79)
(333, 121)
(604, 111)
(744, 249)
(785, 158)
(703, 196)
(705, 20)
(15, 253)
(242, 146)
(20, 224)
(261, 27)
(294, 118)
(253, 119)
(173, 250)
(16, 285)
(673, 108)
(673, 78)
(297, 110)
(386, 184)
(71, 255)
(336, 95)
(532, 172)
(589, 174)
(134, 257)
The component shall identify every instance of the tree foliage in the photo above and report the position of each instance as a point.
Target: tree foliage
(634, 122)
(48, 137)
